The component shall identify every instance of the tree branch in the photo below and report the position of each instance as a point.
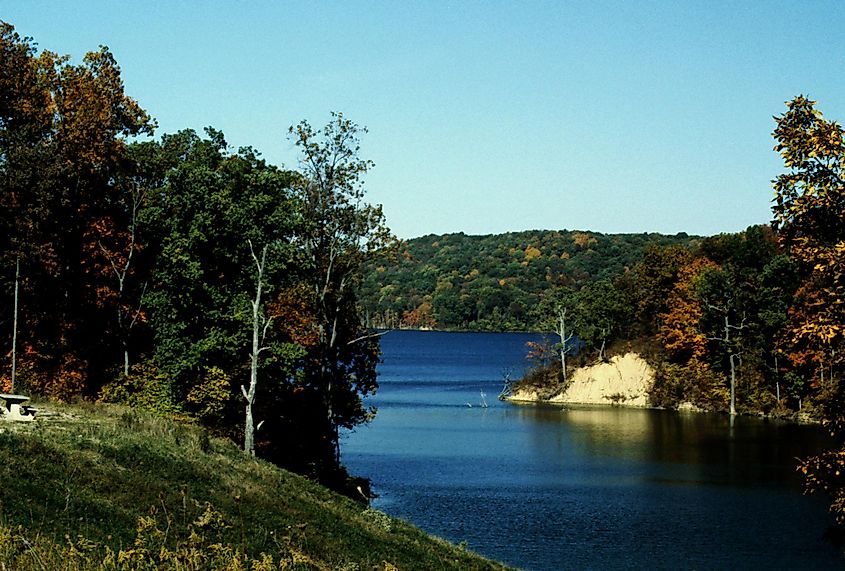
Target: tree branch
(368, 336)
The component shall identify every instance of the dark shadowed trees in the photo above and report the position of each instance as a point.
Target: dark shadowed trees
(339, 232)
(63, 149)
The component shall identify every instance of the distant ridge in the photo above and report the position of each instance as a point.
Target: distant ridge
(493, 281)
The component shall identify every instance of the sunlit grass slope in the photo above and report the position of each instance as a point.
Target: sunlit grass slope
(98, 487)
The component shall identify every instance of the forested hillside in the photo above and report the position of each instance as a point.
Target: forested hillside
(493, 282)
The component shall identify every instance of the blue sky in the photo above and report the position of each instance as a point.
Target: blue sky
(487, 117)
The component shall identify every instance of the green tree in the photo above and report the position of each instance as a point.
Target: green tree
(604, 312)
(213, 204)
(339, 233)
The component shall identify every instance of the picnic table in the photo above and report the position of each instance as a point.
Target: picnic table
(13, 408)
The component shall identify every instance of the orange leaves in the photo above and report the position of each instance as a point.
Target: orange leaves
(104, 255)
(679, 331)
(93, 113)
(294, 316)
(540, 353)
(421, 317)
(64, 382)
(816, 327)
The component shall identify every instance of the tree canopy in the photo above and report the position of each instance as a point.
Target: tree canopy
(137, 262)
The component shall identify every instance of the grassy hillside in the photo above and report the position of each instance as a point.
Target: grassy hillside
(97, 487)
(493, 282)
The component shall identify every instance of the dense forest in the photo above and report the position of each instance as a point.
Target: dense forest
(178, 274)
(493, 282)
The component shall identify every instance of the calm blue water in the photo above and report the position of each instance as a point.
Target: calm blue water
(582, 488)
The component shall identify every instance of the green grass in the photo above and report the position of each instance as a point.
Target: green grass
(105, 487)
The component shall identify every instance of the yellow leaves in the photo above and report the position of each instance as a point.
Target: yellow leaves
(679, 331)
(532, 253)
(583, 240)
(825, 333)
(212, 394)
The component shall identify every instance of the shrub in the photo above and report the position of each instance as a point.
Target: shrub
(209, 398)
(693, 382)
(146, 387)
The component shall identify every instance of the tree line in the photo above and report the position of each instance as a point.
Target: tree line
(179, 274)
(493, 282)
(752, 321)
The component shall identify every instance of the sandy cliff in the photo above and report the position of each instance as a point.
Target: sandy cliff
(624, 380)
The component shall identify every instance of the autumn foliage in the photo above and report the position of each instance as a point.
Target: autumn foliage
(135, 267)
(680, 331)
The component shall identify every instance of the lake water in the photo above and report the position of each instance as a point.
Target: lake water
(543, 488)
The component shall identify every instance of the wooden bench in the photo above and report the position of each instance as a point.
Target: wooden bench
(13, 408)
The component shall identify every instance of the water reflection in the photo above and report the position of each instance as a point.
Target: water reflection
(751, 452)
(548, 488)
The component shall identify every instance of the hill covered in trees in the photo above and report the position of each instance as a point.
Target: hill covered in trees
(493, 282)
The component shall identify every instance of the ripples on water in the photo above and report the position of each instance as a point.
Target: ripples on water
(581, 488)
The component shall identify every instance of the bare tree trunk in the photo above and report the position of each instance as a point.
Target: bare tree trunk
(15, 324)
(564, 340)
(258, 334)
(121, 272)
(733, 385)
(726, 339)
(733, 370)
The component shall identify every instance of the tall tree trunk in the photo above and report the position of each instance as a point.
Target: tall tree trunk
(733, 385)
(257, 338)
(15, 324)
(733, 368)
(729, 350)
(564, 341)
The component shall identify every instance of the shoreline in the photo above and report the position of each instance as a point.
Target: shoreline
(624, 381)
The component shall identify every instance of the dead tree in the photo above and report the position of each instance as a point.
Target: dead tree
(260, 325)
(605, 331)
(730, 348)
(564, 339)
(507, 384)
